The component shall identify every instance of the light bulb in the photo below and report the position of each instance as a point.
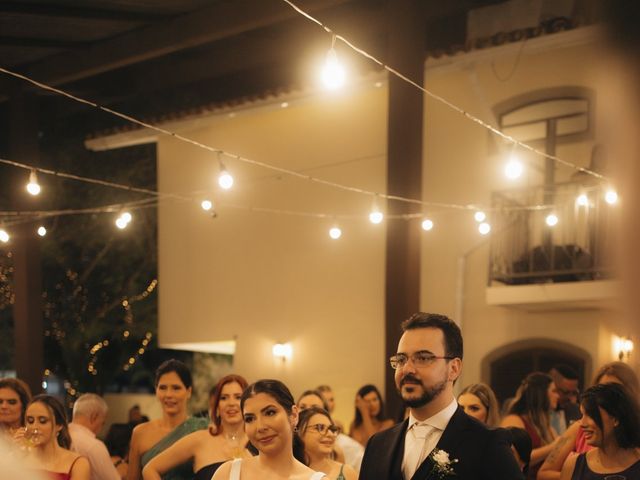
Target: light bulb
(206, 205)
(582, 200)
(376, 217)
(42, 231)
(225, 180)
(333, 74)
(4, 236)
(335, 233)
(551, 220)
(126, 216)
(121, 223)
(480, 216)
(484, 228)
(611, 197)
(427, 224)
(33, 187)
(514, 168)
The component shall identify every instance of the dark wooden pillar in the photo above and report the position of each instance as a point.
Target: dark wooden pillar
(404, 176)
(25, 246)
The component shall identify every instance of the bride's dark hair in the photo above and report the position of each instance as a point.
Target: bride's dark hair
(282, 395)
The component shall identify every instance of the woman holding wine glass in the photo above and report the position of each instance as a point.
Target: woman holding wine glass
(48, 441)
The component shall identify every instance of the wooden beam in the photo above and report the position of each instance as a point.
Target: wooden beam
(187, 31)
(404, 177)
(27, 278)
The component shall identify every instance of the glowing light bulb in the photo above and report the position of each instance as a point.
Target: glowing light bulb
(121, 223)
(611, 197)
(514, 168)
(480, 216)
(335, 233)
(582, 200)
(126, 216)
(484, 228)
(206, 205)
(225, 180)
(42, 231)
(427, 224)
(4, 236)
(551, 220)
(376, 217)
(333, 74)
(33, 187)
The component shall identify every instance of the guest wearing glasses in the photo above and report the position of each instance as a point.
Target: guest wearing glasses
(437, 440)
(369, 416)
(478, 401)
(318, 432)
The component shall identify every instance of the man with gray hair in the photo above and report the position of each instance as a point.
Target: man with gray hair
(89, 415)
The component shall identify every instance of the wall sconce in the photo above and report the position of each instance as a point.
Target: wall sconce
(624, 347)
(282, 351)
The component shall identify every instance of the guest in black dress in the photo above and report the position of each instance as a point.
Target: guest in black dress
(611, 423)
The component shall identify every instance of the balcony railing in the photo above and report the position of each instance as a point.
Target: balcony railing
(526, 250)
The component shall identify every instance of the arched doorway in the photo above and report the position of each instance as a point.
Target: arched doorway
(505, 368)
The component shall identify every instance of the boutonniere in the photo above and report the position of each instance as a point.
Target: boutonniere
(443, 465)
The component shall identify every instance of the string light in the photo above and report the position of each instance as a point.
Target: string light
(480, 216)
(335, 232)
(123, 220)
(42, 231)
(484, 228)
(611, 197)
(376, 217)
(4, 236)
(206, 205)
(434, 96)
(551, 220)
(514, 168)
(33, 187)
(582, 200)
(427, 224)
(333, 74)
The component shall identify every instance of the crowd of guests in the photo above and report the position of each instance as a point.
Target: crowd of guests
(260, 429)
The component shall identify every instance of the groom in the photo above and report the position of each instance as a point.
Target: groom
(438, 440)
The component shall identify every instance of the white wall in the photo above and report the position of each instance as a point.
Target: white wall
(263, 278)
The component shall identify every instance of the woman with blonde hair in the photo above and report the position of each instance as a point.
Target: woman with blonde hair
(535, 399)
(478, 401)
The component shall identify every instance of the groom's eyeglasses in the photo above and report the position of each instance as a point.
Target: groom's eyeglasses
(324, 429)
(419, 359)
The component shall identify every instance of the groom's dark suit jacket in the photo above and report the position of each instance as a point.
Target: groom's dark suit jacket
(482, 454)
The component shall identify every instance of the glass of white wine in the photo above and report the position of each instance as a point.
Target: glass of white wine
(31, 437)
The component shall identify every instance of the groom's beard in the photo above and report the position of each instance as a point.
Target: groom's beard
(428, 393)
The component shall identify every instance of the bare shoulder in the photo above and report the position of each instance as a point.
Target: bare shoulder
(223, 472)
(81, 469)
(388, 423)
(568, 467)
(512, 420)
(349, 472)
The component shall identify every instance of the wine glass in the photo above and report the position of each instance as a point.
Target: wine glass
(32, 437)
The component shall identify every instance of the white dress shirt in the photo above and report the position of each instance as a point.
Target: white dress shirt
(422, 437)
(84, 442)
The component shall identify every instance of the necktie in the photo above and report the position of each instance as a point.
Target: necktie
(417, 449)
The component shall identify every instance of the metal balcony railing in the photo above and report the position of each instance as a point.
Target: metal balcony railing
(526, 250)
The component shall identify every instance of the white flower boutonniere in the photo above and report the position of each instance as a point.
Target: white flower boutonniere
(442, 464)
